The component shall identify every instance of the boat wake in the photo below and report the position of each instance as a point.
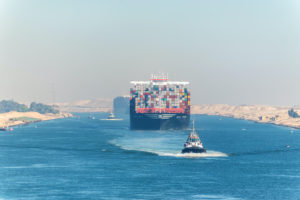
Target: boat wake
(170, 153)
(208, 154)
(111, 119)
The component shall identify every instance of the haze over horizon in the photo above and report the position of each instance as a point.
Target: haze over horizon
(232, 52)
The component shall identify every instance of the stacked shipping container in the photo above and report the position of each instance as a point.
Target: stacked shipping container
(161, 97)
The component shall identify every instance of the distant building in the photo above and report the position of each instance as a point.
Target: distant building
(121, 105)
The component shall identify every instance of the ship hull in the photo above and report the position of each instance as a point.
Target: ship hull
(193, 150)
(158, 121)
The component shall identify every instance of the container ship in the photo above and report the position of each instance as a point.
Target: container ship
(159, 104)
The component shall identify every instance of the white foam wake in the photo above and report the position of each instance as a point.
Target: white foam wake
(214, 197)
(111, 119)
(208, 154)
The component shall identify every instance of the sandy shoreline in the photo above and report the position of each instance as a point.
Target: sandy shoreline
(257, 113)
(18, 118)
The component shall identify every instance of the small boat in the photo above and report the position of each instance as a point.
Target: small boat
(111, 117)
(193, 143)
(91, 117)
(6, 129)
(3, 129)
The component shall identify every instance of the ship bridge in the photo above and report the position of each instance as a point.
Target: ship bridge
(159, 79)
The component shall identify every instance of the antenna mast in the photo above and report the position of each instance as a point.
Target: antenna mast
(53, 94)
(193, 125)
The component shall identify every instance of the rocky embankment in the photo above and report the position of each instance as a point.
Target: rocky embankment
(258, 113)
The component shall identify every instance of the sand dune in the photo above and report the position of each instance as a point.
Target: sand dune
(93, 105)
(258, 113)
(16, 118)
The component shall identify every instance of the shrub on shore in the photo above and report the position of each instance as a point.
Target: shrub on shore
(42, 108)
(10, 105)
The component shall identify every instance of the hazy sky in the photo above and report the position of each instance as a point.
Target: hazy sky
(231, 51)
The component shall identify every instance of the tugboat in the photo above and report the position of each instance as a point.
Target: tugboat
(193, 143)
(111, 116)
(91, 117)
